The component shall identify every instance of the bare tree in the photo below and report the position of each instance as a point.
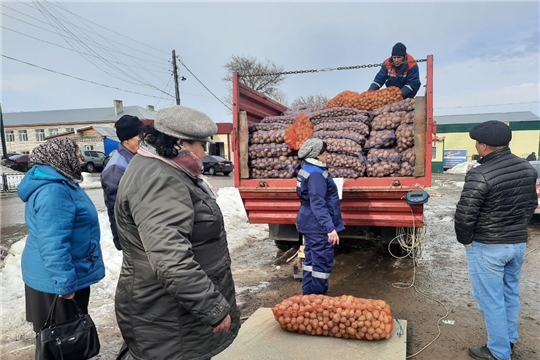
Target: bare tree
(266, 84)
(281, 97)
(311, 99)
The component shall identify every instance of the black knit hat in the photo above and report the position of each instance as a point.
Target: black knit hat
(127, 127)
(492, 133)
(399, 50)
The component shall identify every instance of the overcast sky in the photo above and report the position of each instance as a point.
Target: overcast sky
(485, 53)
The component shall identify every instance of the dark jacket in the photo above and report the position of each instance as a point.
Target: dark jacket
(498, 200)
(110, 178)
(320, 211)
(62, 252)
(406, 77)
(531, 157)
(175, 284)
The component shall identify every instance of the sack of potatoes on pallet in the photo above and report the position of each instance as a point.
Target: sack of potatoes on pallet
(345, 316)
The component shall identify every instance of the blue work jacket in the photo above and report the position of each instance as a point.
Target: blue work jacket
(320, 210)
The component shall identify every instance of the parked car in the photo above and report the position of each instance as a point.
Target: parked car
(536, 165)
(10, 154)
(214, 164)
(17, 162)
(93, 160)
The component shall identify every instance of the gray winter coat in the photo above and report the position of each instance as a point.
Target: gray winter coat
(176, 283)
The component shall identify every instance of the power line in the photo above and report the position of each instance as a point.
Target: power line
(155, 63)
(470, 106)
(127, 37)
(75, 77)
(169, 85)
(71, 49)
(117, 69)
(38, 6)
(218, 99)
(101, 26)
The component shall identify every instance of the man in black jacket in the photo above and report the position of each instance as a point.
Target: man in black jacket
(497, 202)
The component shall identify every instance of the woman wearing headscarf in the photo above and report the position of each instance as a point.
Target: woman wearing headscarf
(175, 297)
(319, 217)
(62, 255)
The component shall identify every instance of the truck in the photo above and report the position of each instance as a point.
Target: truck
(374, 209)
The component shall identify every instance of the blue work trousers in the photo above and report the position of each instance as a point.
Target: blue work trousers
(494, 272)
(318, 264)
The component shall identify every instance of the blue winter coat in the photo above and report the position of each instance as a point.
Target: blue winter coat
(110, 178)
(62, 252)
(320, 210)
(406, 77)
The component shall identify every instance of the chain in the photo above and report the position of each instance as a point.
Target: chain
(321, 70)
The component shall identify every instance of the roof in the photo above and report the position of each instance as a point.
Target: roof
(105, 131)
(480, 118)
(74, 115)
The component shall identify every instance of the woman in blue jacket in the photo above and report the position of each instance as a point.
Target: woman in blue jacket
(319, 217)
(62, 256)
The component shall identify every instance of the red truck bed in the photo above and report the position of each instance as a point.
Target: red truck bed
(366, 201)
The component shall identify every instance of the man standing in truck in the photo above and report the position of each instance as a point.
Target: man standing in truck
(498, 200)
(319, 217)
(399, 70)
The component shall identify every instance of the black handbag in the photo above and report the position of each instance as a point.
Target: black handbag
(75, 339)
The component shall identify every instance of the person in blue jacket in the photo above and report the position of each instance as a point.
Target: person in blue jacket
(127, 131)
(319, 217)
(399, 70)
(62, 255)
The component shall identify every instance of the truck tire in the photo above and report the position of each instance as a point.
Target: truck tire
(90, 167)
(387, 235)
(286, 245)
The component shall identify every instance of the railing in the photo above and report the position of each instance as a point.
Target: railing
(10, 181)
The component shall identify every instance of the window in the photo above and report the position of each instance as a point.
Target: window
(23, 136)
(53, 132)
(88, 147)
(10, 136)
(70, 129)
(433, 153)
(40, 135)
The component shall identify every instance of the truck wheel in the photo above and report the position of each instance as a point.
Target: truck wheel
(285, 245)
(90, 167)
(395, 249)
(212, 171)
(387, 235)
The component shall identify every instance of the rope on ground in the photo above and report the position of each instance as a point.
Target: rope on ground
(413, 243)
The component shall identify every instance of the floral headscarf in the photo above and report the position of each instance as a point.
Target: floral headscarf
(62, 154)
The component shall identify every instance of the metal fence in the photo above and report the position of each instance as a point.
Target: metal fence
(10, 181)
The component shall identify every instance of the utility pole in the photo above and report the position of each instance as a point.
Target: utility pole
(175, 73)
(2, 134)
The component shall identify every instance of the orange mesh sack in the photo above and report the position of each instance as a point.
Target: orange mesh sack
(368, 100)
(297, 133)
(343, 99)
(344, 316)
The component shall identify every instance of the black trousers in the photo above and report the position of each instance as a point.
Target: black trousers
(38, 305)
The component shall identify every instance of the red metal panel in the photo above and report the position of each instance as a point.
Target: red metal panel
(224, 128)
(380, 210)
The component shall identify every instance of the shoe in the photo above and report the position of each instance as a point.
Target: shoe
(511, 348)
(481, 353)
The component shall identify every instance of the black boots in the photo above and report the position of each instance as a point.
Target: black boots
(481, 353)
